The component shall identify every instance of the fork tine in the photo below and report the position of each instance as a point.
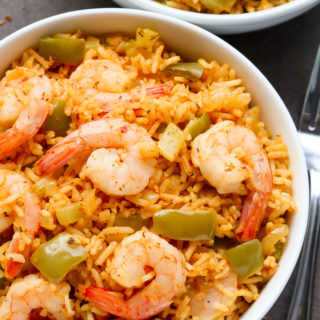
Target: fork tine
(311, 110)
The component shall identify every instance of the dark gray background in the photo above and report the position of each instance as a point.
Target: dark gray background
(283, 53)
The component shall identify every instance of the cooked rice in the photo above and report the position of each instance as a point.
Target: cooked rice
(174, 185)
(229, 7)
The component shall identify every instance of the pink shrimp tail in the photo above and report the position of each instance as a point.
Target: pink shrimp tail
(13, 268)
(106, 301)
(58, 156)
(27, 125)
(256, 203)
(252, 215)
(32, 213)
(32, 224)
(159, 90)
(10, 140)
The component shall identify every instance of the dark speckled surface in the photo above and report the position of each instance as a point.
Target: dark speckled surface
(283, 53)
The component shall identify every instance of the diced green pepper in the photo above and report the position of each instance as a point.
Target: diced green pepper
(58, 122)
(200, 125)
(278, 250)
(70, 51)
(55, 258)
(218, 5)
(45, 187)
(146, 38)
(269, 241)
(171, 142)
(247, 258)
(92, 43)
(134, 221)
(184, 225)
(69, 214)
(189, 70)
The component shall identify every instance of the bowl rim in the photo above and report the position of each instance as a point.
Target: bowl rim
(284, 272)
(223, 19)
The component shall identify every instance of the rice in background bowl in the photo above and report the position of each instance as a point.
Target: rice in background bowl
(209, 47)
(225, 23)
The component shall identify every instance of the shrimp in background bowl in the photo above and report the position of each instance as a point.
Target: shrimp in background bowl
(143, 183)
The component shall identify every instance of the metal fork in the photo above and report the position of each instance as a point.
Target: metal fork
(309, 133)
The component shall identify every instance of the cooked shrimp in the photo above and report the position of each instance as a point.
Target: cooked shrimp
(122, 165)
(213, 300)
(93, 76)
(227, 155)
(14, 184)
(33, 292)
(136, 253)
(107, 100)
(26, 116)
(107, 82)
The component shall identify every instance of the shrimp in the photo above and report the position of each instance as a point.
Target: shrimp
(213, 300)
(106, 100)
(216, 154)
(25, 117)
(14, 184)
(93, 76)
(122, 165)
(107, 82)
(33, 292)
(136, 253)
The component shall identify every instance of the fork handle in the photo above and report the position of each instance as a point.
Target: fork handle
(301, 302)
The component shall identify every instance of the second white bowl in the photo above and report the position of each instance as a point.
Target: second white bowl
(228, 23)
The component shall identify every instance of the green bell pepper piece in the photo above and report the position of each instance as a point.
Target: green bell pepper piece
(200, 125)
(58, 122)
(70, 51)
(92, 43)
(247, 258)
(146, 38)
(184, 225)
(69, 214)
(217, 5)
(171, 142)
(279, 246)
(189, 70)
(45, 187)
(55, 258)
(134, 221)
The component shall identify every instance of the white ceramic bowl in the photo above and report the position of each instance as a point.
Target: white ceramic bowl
(179, 35)
(228, 23)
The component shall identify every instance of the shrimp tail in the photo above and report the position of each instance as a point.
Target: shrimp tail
(58, 156)
(106, 301)
(26, 126)
(10, 139)
(252, 215)
(13, 268)
(31, 215)
(159, 90)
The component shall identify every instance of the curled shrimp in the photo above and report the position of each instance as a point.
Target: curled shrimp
(136, 253)
(106, 100)
(33, 292)
(107, 82)
(93, 76)
(26, 117)
(123, 162)
(227, 155)
(214, 300)
(15, 185)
